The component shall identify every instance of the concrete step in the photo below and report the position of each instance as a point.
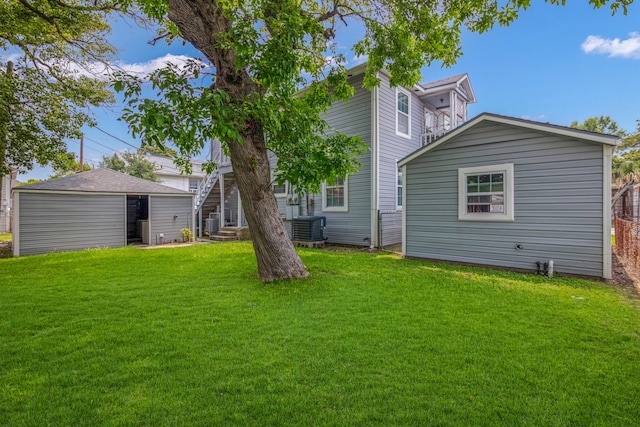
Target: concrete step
(227, 233)
(220, 238)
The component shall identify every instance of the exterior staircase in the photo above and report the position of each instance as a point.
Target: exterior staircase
(208, 195)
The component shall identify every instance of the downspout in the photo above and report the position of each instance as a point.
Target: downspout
(375, 165)
(607, 154)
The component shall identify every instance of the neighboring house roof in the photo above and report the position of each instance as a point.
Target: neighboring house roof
(580, 134)
(445, 81)
(102, 180)
(165, 166)
(460, 82)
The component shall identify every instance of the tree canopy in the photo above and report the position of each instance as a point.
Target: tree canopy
(45, 90)
(134, 164)
(626, 161)
(259, 55)
(67, 164)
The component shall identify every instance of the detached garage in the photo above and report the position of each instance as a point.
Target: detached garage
(512, 193)
(97, 208)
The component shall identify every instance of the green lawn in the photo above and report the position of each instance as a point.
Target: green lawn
(5, 237)
(189, 336)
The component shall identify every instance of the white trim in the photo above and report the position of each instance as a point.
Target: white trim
(607, 154)
(221, 185)
(344, 208)
(281, 195)
(375, 167)
(541, 127)
(126, 219)
(404, 210)
(15, 237)
(286, 187)
(193, 218)
(398, 207)
(150, 222)
(508, 214)
(408, 94)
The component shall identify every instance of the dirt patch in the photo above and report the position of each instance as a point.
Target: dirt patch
(6, 250)
(624, 274)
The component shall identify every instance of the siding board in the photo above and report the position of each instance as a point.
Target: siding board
(558, 201)
(55, 222)
(168, 215)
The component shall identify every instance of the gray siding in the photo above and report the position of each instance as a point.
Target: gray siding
(61, 222)
(393, 148)
(390, 228)
(354, 226)
(353, 118)
(557, 201)
(169, 214)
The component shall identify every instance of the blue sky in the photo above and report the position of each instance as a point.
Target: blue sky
(554, 64)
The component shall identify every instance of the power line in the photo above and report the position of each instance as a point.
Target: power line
(115, 137)
(96, 142)
(94, 149)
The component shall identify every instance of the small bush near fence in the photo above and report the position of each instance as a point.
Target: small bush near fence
(627, 240)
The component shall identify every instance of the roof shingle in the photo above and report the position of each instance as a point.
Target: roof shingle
(103, 180)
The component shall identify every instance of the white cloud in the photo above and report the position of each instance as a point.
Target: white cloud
(628, 48)
(141, 69)
(359, 59)
(145, 68)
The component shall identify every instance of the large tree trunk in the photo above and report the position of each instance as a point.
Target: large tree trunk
(277, 258)
(201, 23)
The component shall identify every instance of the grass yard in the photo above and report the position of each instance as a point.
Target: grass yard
(5, 237)
(189, 336)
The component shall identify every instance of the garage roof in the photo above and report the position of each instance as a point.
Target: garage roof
(103, 180)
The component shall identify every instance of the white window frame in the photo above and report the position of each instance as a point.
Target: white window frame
(399, 188)
(397, 110)
(344, 208)
(286, 188)
(508, 214)
(197, 181)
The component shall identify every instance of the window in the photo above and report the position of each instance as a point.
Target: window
(486, 193)
(280, 190)
(399, 189)
(403, 113)
(335, 196)
(193, 185)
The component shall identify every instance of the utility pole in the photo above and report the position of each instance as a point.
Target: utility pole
(81, 152)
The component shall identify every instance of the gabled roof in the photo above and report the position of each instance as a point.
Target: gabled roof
(460, 82)
(446, 81)
(580, 134)
(102, 180)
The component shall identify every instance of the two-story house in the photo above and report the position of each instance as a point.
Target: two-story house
(171, 176)
(365, 208)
